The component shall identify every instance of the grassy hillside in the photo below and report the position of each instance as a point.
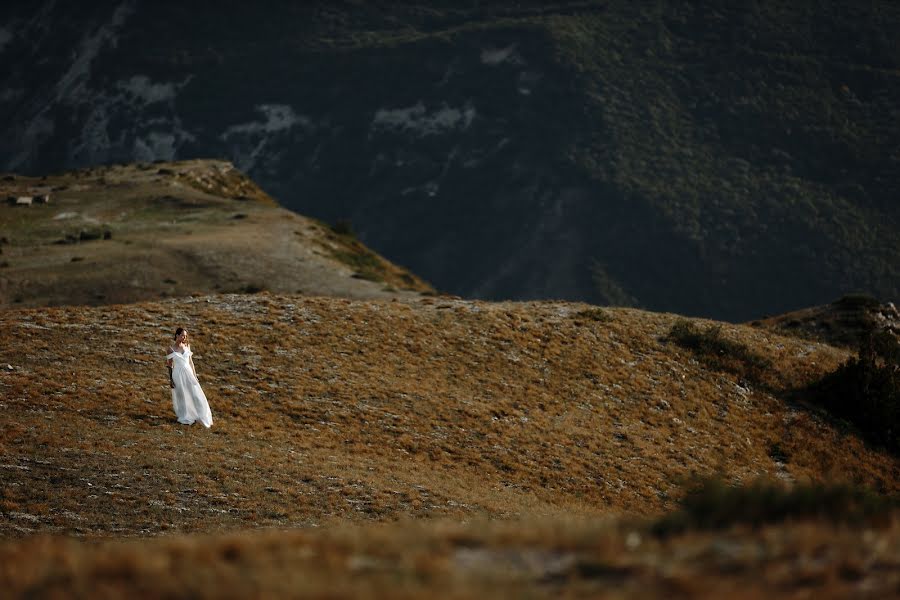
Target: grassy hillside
(133, 232)
(333, 411)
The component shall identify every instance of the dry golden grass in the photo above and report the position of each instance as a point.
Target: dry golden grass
(332, 412)
(560, 557)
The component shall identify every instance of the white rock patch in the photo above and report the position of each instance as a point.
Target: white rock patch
(72, 84)
(496, 56)
(155, 145)
(278, 117)
(250, 139)
(144, 90)
(418, 120)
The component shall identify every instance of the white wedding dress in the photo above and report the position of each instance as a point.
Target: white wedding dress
(187, 397)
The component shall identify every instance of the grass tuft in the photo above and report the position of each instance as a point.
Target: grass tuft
(594, 314)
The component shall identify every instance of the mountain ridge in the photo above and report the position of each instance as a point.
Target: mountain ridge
(600, 152)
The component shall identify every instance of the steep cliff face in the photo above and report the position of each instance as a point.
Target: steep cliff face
(726, 162)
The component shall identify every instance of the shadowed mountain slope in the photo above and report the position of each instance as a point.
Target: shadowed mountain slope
(726, 161)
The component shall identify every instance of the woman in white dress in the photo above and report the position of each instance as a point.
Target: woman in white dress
(187, 397)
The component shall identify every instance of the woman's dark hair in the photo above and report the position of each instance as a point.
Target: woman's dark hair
(178, 332)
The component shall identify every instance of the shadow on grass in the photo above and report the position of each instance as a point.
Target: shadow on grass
(862, 395)
(865, 391)
(155, 420)
(718, 352)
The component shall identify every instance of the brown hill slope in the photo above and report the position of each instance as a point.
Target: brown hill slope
(128, 233)
(331, 411)
(372, 410)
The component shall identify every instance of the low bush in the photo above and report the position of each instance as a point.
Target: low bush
(865, 390)
(343, 227)
(366, 263)
(712, 504)
(857, 301)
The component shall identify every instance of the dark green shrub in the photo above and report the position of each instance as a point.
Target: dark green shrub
(87, 235)
(365, 262)
(717, 351)
(865, 390)
(713, 504)
(343, 227)
(857, 301)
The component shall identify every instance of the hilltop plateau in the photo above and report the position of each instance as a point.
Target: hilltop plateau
(562, 424)
(125, 233)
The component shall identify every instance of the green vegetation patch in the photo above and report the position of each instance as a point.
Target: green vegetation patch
(712, 504)
(366, 264)
(858, 301)
(350, 251)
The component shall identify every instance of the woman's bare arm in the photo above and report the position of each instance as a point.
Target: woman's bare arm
(169, 366)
